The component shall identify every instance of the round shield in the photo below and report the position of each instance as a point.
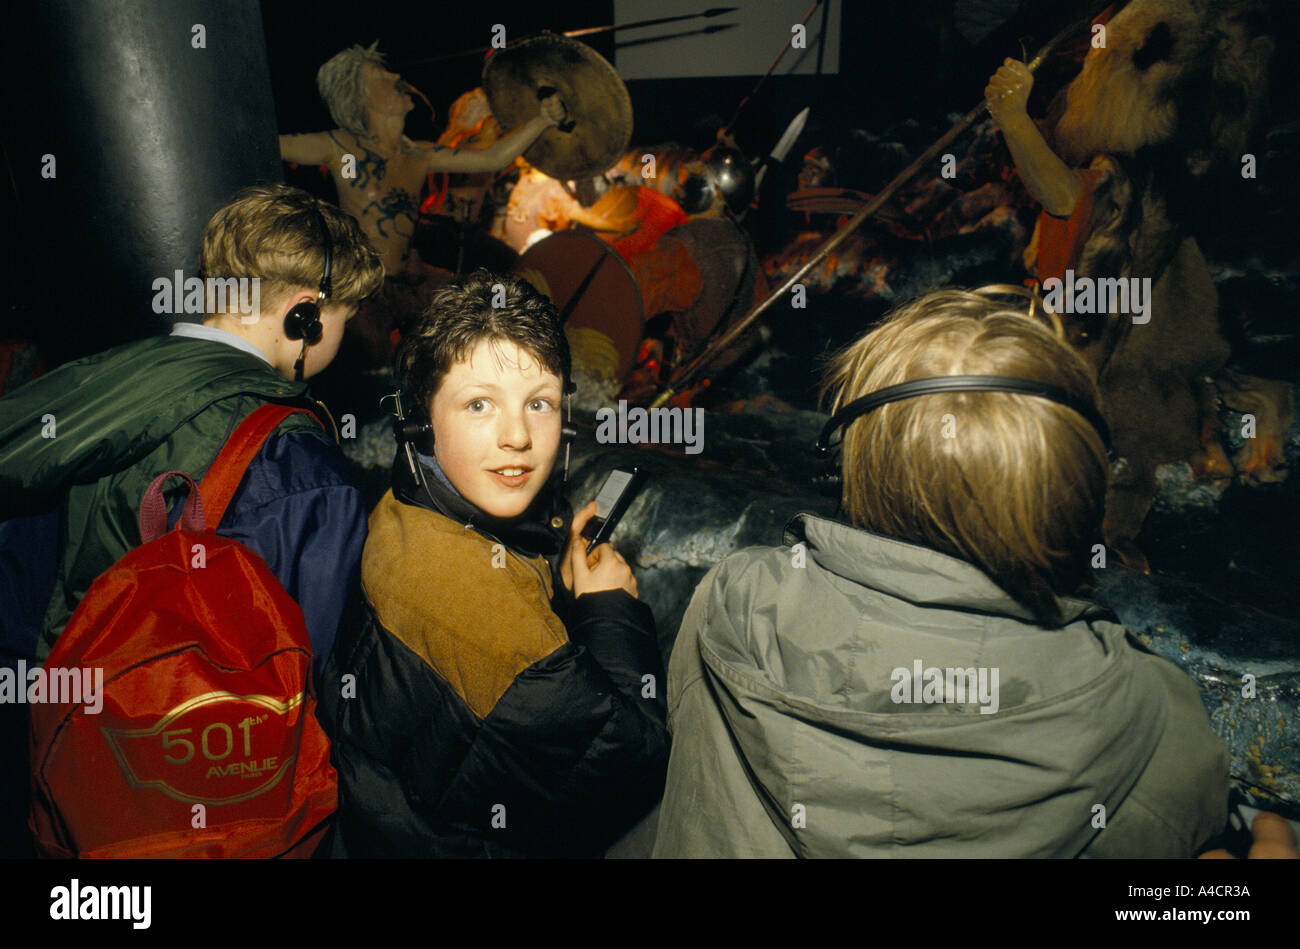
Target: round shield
(594, 97)
(728, 270)
(592, 287)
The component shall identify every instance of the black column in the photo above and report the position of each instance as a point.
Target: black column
(153, 123)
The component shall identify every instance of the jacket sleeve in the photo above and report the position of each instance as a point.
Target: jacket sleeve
(1181, 799)
(69, 427)
(574, 751)
(47, 442)
(297, 509)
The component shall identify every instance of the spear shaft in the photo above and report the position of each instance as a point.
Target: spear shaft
(573, 34)
(779, 56)
(592, 30)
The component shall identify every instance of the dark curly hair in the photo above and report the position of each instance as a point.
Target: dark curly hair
(463, 314)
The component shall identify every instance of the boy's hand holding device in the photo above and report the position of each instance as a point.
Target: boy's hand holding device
(602, 569)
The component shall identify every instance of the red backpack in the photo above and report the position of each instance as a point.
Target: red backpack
(206, 742)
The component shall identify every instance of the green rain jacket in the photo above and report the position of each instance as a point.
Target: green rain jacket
(98, 430)
(797, 730)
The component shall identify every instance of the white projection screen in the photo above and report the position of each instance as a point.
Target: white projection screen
(758, 29)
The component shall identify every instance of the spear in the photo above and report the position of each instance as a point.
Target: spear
(783, 145)
(710, 352)
(759, 85)
(592, 30)
(586, 31)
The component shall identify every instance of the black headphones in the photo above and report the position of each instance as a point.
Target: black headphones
(411, 425)
(907, 390)
(303, 320)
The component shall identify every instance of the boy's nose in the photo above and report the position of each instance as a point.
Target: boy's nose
(513, 432)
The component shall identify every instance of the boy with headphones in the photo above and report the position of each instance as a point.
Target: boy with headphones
(79, 446)
(86, 439)
(926, 677)
(493, 709)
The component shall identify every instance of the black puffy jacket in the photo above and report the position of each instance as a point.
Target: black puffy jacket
(477, 722)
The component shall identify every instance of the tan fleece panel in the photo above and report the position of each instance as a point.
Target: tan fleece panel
(432, 584)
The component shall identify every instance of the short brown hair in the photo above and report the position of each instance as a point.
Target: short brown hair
(272, 232)
(462, 314)
(1014, 484)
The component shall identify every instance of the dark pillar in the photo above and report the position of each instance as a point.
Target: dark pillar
(152, 128)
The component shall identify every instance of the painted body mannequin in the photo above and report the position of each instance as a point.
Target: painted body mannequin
(379, 174)
(383, 194)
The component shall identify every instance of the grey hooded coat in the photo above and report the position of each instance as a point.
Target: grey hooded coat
(814, 714)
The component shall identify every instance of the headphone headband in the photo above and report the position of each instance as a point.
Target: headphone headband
(327, 244)
(908, 390)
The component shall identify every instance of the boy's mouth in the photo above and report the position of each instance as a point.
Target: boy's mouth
(512, 476)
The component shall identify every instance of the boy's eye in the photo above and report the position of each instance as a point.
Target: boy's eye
(477, 405)
(540, 405)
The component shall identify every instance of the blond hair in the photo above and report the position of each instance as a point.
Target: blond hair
(1014, 484)
(342, 84)
(272, 232)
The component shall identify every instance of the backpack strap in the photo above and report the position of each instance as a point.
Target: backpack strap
(153, 509)
(222, 480)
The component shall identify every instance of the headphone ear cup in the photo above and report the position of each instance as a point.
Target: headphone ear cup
(422, 436)
(303, 322)
(417, 432)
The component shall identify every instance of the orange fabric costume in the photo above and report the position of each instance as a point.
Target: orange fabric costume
(656, 214)
(665, 272)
